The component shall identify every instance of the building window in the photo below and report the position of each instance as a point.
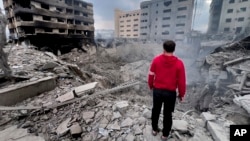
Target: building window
(155, 33)
(243, 9)
(156, 26)
(135, 29)
(156, 19)
(128, 30)
(166, 18)
(231, 1)
(167, 3)
(180, 32)
(181, 17)
(230, 10)
(128, 25)
(227, 29)
(182, 8)
(165, 33)
(156, 12)
(135, 34)
(167, 11)
(241, 19)
(244, 0)
(128, 20)
(135, 24)
(228, 20)
(122, 31)
(121, 26)
(238, 29)
(181, 24)
(143, 33)
(166, 25)
(135, 19)
(182, 0)
(121, 21)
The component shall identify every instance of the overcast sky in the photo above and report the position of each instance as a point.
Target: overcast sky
(104, 12)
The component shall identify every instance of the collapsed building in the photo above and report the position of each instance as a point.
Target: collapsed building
(51, 23)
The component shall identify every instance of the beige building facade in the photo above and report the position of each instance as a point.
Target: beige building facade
(162, 20)
(235, 16)
(127, 24)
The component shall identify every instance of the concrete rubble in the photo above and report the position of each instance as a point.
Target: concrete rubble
(97, 96)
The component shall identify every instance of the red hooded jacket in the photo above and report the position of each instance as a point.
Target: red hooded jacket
(167, 72)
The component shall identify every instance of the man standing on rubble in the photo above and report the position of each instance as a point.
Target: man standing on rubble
(166, 74)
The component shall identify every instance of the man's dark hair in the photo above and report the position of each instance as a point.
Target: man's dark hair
(169, 46)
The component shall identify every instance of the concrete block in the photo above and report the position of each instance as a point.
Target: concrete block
(207, 116)
(22, 91)
(62, 129)
(66, 97)
(122, 106)
(88, 115)
(180, 125)
(217, 131)
(75, 129)
(79, 91)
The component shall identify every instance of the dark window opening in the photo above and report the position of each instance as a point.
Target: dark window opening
(77, 12)
(182, 0)
(228, 20)
(69, 11)
(59, 9)
(167, 25)
(61, 30)
(45, 6)
(86, 24)
(167, 11)
(68, 2)
(165, 33)
(238, 29)
(70, 21)
(26, 17)
(231, 1)
(78, 22)
(46, 18)
(243, 9)
(182, 24)
(227, 29)
(230, 11)
(181, 17)
(182, 8)
(71, 31)
(28, 30)
(180, 32)
(84, 5)
(48, 29)
(23, 3)
(241, 19)
(166, 18)
(167, 3)
(78, 32)
(61, 20)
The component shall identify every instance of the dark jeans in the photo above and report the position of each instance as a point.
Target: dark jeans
(168, 98)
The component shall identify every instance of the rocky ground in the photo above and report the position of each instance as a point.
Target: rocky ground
(120, 115)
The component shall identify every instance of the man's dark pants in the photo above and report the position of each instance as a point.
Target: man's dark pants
(168, 98)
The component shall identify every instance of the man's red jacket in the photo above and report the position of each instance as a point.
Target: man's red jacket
(167, 72)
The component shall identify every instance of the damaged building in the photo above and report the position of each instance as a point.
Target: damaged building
(51, 23)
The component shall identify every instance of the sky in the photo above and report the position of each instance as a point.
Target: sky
(104, 12)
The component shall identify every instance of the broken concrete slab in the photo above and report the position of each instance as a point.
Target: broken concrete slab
(122, 107)
(243, 101)
(130, 137)
(217, 131)
(63, 128)
(13, 133)
(127, 122)
(207, 116)
(115, 126)
(180, 125)
(66, 97)
(81, 90)
(75, 130)
(49, 65)
(19, 92)
(88, 115)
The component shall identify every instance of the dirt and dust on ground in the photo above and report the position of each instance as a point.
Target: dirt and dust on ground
(103, 94)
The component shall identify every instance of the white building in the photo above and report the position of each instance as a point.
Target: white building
(166, 19)
(235, 16)
(104, 33)
(127, 24)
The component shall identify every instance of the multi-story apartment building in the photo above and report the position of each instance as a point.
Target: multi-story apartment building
(127, 24)
(233, 16)
(166, 19)
(214, 16)
(50, 22)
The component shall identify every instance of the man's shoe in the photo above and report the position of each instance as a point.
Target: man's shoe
(163, 138)
(154, 133)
